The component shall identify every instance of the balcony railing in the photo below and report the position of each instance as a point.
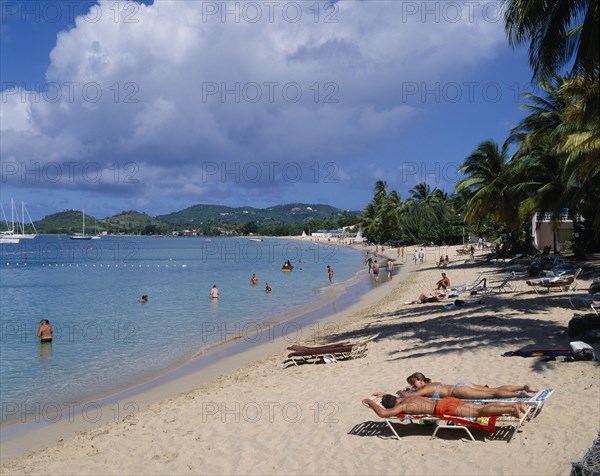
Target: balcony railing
(547, 217)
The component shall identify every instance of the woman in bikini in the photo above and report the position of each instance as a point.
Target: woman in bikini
(423, 386)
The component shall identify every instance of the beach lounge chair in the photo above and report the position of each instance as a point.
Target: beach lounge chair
(457, 423)
(328, 353)
(504, 285)
(458, 289)
(536, 402)
(578, 301)
(562, 284)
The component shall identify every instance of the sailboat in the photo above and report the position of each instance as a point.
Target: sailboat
(95, 236)
(359, 237)
(82, 235)
(17, 232)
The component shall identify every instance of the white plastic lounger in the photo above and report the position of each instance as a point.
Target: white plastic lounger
(536, 402)
(458, 423)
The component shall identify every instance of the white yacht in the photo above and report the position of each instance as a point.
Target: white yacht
(82, 235)
(16, 228)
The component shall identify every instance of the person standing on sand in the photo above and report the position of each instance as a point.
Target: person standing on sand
(45, 331)
(214, 292)
(330, 273)
(376, 271)
(390, 268)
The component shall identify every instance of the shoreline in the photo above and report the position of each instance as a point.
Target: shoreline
(18, 437)
(261, 408)
(210, 337)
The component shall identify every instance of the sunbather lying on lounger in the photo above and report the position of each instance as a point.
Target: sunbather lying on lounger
(421, 385)
(427, 297)
(391, 406)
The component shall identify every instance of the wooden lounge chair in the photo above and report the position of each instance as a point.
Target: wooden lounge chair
(331, 352)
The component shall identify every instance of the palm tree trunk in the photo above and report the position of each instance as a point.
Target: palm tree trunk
(578, 245)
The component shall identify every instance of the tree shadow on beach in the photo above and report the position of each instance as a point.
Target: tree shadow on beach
(497, 322)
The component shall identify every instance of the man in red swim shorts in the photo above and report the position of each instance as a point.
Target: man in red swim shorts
(392, 405)
(447, 406)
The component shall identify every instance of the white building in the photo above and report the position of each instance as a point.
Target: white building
(546, 232)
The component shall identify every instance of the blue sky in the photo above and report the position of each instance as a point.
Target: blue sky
(158, 106)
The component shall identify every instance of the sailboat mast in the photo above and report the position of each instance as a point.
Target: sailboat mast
(12, 214)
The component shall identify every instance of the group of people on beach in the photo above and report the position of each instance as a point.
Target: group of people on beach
(436, 398)
(373, 265)
(214, 292)
(443, 262)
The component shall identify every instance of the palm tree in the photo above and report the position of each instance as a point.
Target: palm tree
(380, 192)
(559, 131)
(486, 178)
(382, 214)
(558, 31)
(372, 215)
(546, 112)
(422, 192)
(582, 120)
(539, 182)
(389, 213)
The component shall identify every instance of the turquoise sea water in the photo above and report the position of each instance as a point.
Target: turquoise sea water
(105, 339)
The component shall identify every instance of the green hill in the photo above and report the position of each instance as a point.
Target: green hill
(206, 219)
(70, 221)
(132, 222)
(198, 215)
(64, 223)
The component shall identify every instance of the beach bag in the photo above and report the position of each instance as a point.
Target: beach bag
(582, 351)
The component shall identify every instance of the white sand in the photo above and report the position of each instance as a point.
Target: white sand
(264, 418)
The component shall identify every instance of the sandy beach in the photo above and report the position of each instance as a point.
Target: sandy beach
(254, 415)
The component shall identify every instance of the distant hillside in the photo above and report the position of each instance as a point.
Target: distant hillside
(64, 223)
(205, 219)
(290, 213)
(133, 222)
(70, 221)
